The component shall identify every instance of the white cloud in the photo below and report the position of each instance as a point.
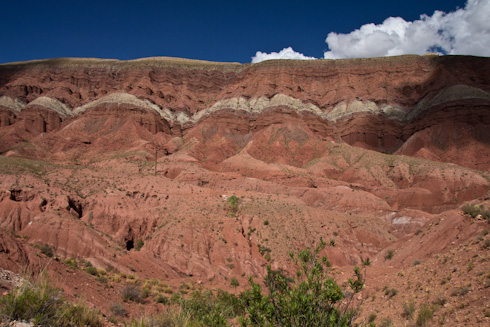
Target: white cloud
(464, 31)
(286, 53)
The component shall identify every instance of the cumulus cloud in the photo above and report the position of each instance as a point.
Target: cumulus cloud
(286, 53)
(464, 31)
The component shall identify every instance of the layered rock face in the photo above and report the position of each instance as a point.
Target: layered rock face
(130, 165)
(397, 104)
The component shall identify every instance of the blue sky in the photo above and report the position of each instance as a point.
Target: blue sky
(208, 30)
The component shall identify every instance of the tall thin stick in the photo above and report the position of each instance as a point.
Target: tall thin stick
(156, 160)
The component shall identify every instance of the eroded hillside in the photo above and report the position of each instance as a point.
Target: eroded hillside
(131, 165)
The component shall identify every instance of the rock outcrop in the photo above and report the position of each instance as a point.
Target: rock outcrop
(384, 104)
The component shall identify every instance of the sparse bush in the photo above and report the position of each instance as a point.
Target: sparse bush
(476, 210)
(118, 309)
(145, 292)
(131, 292)
(71, 262)
(389, 254)
(440, 300)
(102, 279)
(47, 250)
(209, 308)
(234, 283)
(471, 210)
(386, 322)
(162, 299)
(172, 317)
(263, 249)
(425, 315)
(139, 244)
(416, 262)
(44, 305)
(390, 292)
(409, 310)
(80, 315)
(460, 291)
(233, 203)
(91, 270)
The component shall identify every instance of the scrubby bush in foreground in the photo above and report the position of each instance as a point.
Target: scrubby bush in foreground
(312, 298)
(44, 306)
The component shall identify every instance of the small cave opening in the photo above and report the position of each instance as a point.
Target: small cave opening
(129, 244)
(76, 206)
(15, 195)
(43, 204)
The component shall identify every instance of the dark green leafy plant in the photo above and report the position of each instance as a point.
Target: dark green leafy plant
(47, 250)
(311, 298)
(389, 254)
(233, 203)
(234, 283)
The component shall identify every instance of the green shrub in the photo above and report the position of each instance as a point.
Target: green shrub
(145, 292)
(80, 315)
(233, 203)
(139, 244)
(45, 306)
(102, 279)
(71, 262)
(47, 250)
(209, 308)
(234, 283)
(475, 210)
(389, 254)
(311, 298)
(91, 270)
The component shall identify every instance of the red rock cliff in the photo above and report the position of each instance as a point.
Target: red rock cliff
(385, 104)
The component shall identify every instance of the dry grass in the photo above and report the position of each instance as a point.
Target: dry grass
(165, 62)
(158, 62)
